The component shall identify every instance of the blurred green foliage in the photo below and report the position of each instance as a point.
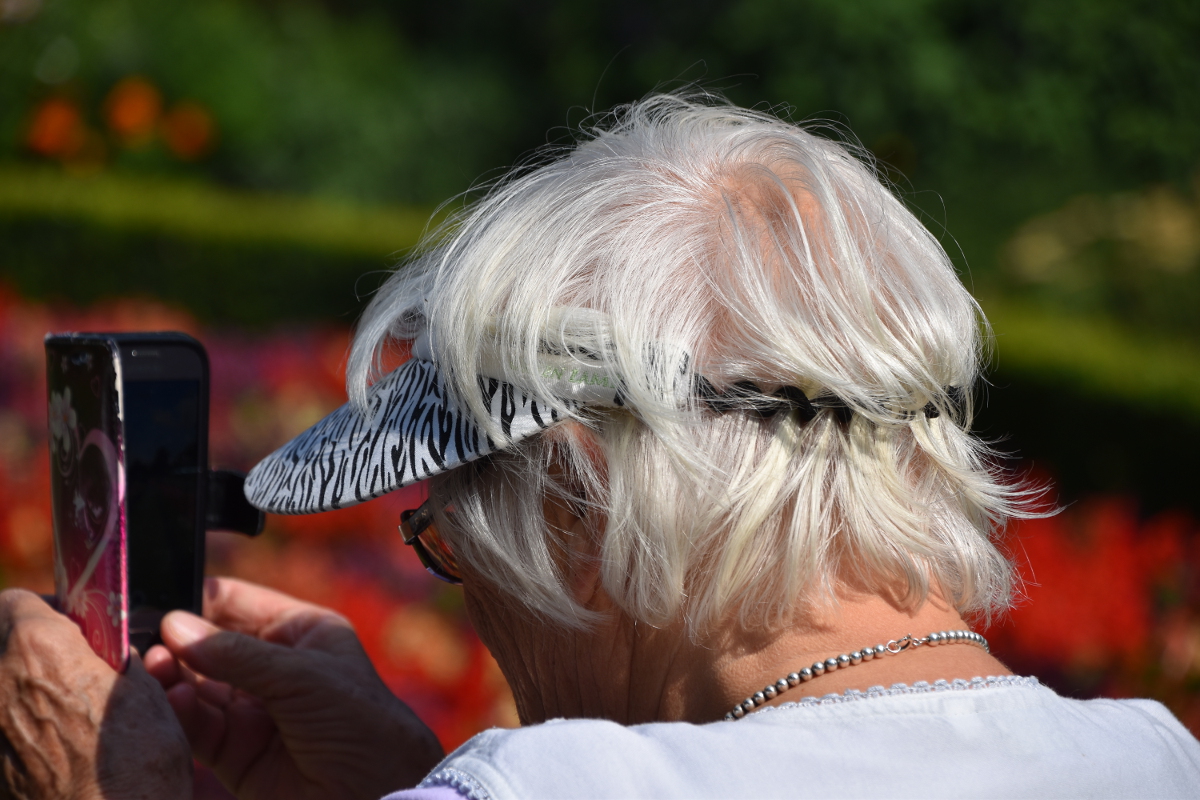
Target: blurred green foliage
(1010, 105)
(249, 259)
(203, 212)
(1096, 356)
(247, 284)
(993, 118)
(1131, 256)
(303, 103)
(1052, 145)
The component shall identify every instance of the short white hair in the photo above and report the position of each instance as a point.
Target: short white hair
(684, 238)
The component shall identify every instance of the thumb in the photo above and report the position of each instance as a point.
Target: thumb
(244, 662)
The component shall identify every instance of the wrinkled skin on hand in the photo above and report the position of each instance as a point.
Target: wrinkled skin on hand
(71, 727)
(279, 699)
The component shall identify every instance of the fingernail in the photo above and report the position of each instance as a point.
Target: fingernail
(187, 629)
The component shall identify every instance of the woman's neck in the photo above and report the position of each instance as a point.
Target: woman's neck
(630, 673)
(747, 666)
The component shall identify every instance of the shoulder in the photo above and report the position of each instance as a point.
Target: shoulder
(1003, 720)
(1015, 739)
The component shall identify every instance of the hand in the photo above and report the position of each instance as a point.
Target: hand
(279, 699)
(71, 727)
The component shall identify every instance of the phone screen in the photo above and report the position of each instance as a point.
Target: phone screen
(166, 465)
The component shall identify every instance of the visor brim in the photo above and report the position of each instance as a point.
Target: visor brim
(414, 429)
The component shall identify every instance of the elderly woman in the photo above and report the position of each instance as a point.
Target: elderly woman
(692, 405)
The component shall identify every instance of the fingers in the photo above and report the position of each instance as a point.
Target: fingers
(206, 711)
(263, 669)
(229, 738)
(203, 724)
(183, 701)
(136, 674)
(228, 730)
(162, 666)
(255, 610)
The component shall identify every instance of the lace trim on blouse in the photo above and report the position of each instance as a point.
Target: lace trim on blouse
(920, 687)
(459, 781)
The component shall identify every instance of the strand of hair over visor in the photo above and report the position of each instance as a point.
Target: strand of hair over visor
(747, 396)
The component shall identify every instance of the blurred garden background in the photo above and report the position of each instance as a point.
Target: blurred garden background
(248, 170)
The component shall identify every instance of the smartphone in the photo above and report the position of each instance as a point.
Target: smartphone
(155, 387)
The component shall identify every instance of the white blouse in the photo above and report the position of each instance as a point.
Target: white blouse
(1007, 737)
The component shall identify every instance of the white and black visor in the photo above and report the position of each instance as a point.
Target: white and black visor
(414, 428)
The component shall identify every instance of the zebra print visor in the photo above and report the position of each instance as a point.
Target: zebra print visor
(414, 429)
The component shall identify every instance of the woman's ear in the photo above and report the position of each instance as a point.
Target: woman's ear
(578, 546)
(574, 516)
(579, 528)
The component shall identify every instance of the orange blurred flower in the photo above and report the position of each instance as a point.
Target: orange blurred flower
(26, 540)
(132, 111)
(189, 130)
(1181, 645)
(29, 535)
(416, 636)
(56, 129)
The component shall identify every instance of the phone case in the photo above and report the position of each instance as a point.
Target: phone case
(88, 489)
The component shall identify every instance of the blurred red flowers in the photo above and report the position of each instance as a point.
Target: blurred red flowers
(56, 129)
(132, 110)
(189, 130)
(1111, 606)
(135, 117)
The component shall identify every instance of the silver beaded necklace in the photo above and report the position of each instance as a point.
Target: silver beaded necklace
(819, 668)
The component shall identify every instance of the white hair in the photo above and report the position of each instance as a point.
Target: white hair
(682, 239)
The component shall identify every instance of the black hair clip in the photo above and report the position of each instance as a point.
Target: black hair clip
(837, 405)
(954, 394)
(746, 396)
(797, 399)
(703, 388)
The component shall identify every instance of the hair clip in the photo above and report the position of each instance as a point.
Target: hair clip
(797, 399)
(954, 396)
(746, 396)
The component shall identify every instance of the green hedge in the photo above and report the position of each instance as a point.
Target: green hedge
(228, 256)
(203, 212)
(1095, 356)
